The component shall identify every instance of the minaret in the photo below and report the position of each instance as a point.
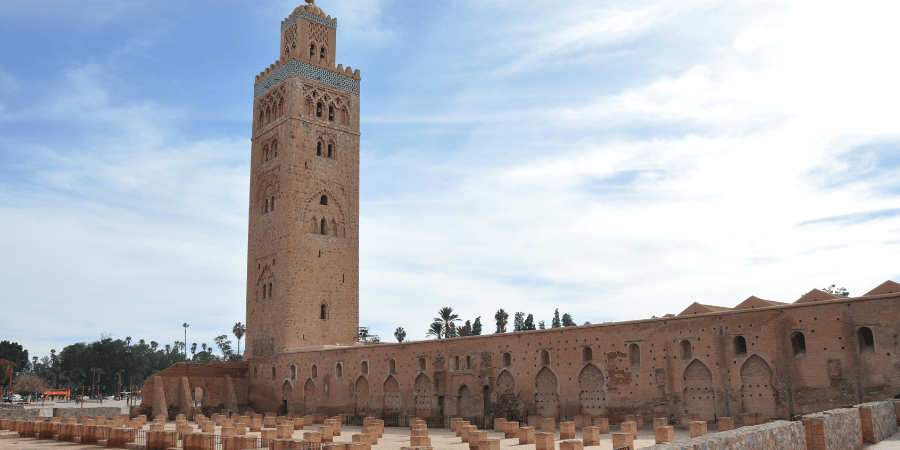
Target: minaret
(303, 239)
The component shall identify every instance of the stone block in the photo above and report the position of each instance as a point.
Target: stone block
(896, 410)
(298, 423)
(526, 435)
(475, 437)
(590, 436)
(312, 436)
(208, 427)
(664, 434)
(454, 421)
(548, 425)
(419, 432)
(511, 430)
(602, 423)
(623, 440)
(459, 427)
(698, 428)
(255, 425)
(630, 427)
(726, 424)
(571, 444)
(420, 441)
(877, 421)
(686, 420)
(285, 430)
(466, 431)
(499, 425)
(327, 433)
(749, 419)
(157, 427)
(269, 422)
(270, 433)
(566, 431)
(161, 440)
(660, 422)
(118, 437)
(489, 444)
(544, 441)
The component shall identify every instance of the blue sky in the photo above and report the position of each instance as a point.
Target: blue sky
(613, 159)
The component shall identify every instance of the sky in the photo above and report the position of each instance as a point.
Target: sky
(613, 159)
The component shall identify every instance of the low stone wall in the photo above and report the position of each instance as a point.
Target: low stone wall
(93, 413)
(779, 435)
(838, 429)
(18, 414)
(877, 420)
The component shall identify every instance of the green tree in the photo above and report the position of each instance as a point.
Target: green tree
(193, 350)
(839, 291)
(239, 330)
(446, 317)
(519, 321)
(466, 330)
(224, 345)
(400, 334)
(556, 323)
(476, 327)
(15, 353)
(502, 318)
(567, 320)
(436, 329)
(529, 323)
(541, 325)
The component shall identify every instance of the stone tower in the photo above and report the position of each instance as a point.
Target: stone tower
(303, 243)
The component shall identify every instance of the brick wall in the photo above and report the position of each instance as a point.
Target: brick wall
(18, 414)
(877, 421)
(838, 429)
(104, 411)
(778, 435)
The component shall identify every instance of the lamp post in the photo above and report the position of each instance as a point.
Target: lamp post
(185, 325)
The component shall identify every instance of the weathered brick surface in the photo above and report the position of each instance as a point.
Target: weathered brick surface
(726, 423)
(571, 444)
(526, 435)
(602, 423)
(623, 440)
(837, 429)
(630, 427)
(590, 436)
(664, 434)
(566, 430)
(698, 428)
(544, 441)
(877, 421)
(778, 435)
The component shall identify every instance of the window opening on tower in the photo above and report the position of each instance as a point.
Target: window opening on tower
(322, 53)
(329, 150)
(331, 115)
(318, 149)
(319, 109)
(323, 200)
(322, 312)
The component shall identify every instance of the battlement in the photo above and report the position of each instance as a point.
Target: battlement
(340, 70)
(311, 12)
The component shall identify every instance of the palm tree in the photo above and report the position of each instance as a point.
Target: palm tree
(436, 330)
(502, 318)
(193, 350)
(400, 334)
(239, 330)
(446, 318)
(154, 345)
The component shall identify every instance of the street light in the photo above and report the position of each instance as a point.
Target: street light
(185, 325)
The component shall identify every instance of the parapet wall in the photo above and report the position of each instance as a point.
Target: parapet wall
(779, 435)
(110, 412)
(877, 421)
(838, 429)
(18, 414)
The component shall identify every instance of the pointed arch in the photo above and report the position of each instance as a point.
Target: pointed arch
(699, 396)
(309, 396)
(391, 394)
(361, 396)
(506, 384)
(546, 397)
(425, 402)
(757, 390)
(464, 404)
(591, 391)
(287, 396)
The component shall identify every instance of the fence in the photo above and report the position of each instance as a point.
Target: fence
(397, 420)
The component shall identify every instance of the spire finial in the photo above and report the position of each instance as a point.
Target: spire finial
(311, 2)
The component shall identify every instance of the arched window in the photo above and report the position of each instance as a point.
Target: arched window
(392, 366)
(587, 354)
(331, 114)
(312, 49)
(798, 344)
(275, 148)
(264, 291)
(272, 205)
(323, 228)
(468, 363)
(365, 367)
(422, 364)
(324, 200)
(322, 311)
(686, 349)
(507, 360)
(865, 340)
(293, 372)
(319, 109)
(273, 372)
(270, 290)
(266, 210)
(339, 371)
(315, 371)
(266, 153)
(545, 358)
(740, 347)
(318, 149)
(255, 373)
(322, 53)
(329, 150)
(634, 355)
